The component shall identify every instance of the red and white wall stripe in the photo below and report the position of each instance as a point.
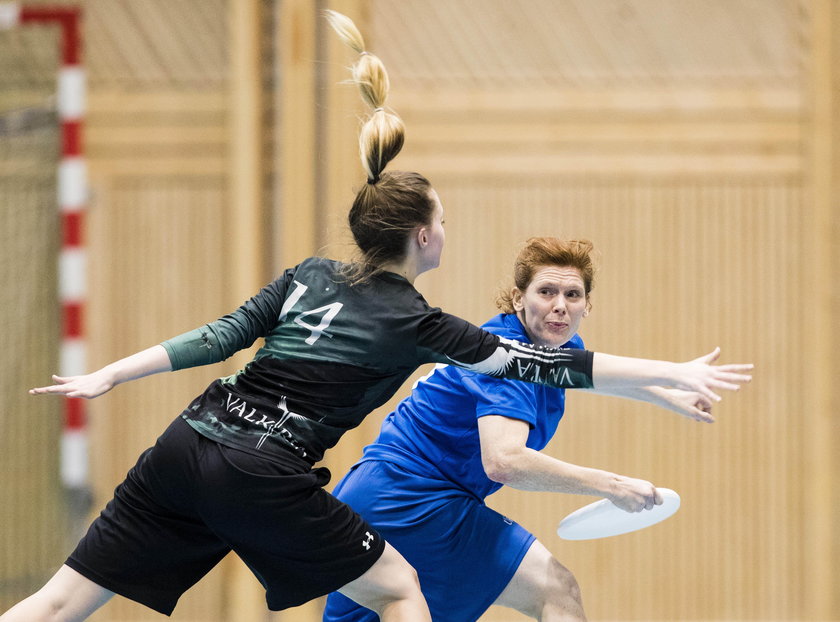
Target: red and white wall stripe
(72, 200)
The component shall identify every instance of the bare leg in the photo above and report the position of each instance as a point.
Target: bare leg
(67, 597)
(543, 589)
(391, 589)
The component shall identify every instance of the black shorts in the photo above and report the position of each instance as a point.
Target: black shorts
(189, 501)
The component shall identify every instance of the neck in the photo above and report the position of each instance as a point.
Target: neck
(409, 267)
(405, 269)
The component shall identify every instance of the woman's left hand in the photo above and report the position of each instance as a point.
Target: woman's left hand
(703, 376)
(691, 404)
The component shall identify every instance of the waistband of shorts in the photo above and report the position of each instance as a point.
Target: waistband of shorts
(278, 455)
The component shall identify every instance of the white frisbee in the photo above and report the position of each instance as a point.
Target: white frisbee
(603, 519)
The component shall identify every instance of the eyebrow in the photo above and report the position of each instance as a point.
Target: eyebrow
(556, 285)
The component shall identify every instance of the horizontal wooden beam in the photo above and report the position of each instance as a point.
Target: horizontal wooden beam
(161, 167)
(524, 131)
(164, 101)
(525, 164)
(653, 100)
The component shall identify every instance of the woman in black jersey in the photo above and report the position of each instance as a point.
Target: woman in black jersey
(234, 472)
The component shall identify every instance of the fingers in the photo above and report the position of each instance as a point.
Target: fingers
(737, 367)
(60, 387)
(706, 392)
(702, 416)
(650, 499)
(702, 410)
(703, 404)
(730, 382)
(87, 386)
(708, 378)
(642, 495)
(638, 495)
(726, 386)
(711, 357)
(636, 505)
(734, 372)
(729, 378)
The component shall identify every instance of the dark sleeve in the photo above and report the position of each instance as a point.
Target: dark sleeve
(235, 331)
(444, 338)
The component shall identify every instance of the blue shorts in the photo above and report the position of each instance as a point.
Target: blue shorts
(464, 552)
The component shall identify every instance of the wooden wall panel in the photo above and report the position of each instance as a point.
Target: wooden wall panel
(520, 44)
(164, 274)
(296, 235)
(827, 126)
(33, 506)
(821, 577)
(31, 501)
(692, 142)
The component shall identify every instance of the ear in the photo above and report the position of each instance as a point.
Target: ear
(516, 299)
(422, 237)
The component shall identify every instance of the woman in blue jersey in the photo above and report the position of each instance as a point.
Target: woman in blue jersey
(460, 436)
(234, 472)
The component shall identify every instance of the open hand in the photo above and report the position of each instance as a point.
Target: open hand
(702, 376)
(87, 386)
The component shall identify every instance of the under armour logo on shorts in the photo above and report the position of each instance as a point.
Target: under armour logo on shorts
(368, 539)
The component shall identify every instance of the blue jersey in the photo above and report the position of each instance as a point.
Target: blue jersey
(422, 485)
(434, 433)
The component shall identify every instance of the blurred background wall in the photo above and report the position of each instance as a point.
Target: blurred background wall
(693, 141)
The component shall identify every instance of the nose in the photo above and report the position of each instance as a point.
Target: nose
(559, 305)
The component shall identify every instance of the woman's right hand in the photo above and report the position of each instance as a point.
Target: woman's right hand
(87, 386)
(631, 494)
(144, 363)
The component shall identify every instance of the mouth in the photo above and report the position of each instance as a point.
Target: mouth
(557, 326)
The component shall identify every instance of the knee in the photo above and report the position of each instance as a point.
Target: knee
(67, 596)
(556, 590)
(411, 580)
(53, 604)
(389, 587)
(39, 607)
(394, 585)
(404, 585)
(562, 588)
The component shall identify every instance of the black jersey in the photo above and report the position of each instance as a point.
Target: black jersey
(333, 352)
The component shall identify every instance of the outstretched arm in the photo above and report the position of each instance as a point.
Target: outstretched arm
(145, 363)
(208, 344)
(611, 373)
(691, 404)
(507, 460)
(444, 338)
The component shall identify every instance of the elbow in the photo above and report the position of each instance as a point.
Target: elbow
(501, 468)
